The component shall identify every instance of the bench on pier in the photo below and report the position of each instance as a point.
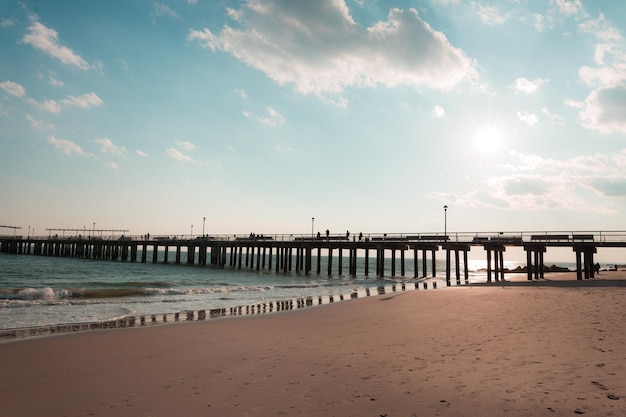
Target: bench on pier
(389, 239)
(480, 239)
(582, 237)
(507, 240)
(253, 239)
(434, 238)
(549, 237)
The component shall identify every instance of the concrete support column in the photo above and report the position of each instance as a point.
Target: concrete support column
(447, 267)
(330, 261)
(340, 259)
(319, 260)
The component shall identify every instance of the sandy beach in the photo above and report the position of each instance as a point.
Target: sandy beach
(550, 348)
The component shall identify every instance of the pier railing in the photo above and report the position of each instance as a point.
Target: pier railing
(508, 238)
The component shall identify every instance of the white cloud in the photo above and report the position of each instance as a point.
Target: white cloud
(188, 146)
(605, 109)
(113, 165)
(569, 8)
(438, 111)
(178, 155)
(601, 29)
(161, 10)
(531, 182)
(528, 118)
(84, 101)
(141, 153)
(53, 106)
(554, 118)
(273, 118)
(13, 89)
(46, 40)
(107, 146)
(7, 23)
(542, 22)
(489, 15)
(317, 47)
(67, 147)
(242, 93)
(38, 124)
(574, 103)
(55, 82)
(50, 106)
(524, 85)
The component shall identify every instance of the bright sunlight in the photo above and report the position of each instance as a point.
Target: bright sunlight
(488, 140)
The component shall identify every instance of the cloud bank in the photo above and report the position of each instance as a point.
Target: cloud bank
(317, 47)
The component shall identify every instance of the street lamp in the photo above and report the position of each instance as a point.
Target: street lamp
(192, 231)
(445, 223)
(203, 220)
(312, 225)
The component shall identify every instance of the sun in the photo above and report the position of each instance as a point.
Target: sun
(488, 140)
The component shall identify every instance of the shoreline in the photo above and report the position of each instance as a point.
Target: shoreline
(269, 307)
(553, 276)
(541, 349)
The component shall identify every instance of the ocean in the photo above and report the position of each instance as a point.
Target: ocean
(44, 290)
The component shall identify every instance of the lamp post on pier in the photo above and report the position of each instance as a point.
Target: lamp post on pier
(312, 226)
(203, 220)
(192, 231)
(445, 223)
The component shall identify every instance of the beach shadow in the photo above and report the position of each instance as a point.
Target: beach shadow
(586, 283)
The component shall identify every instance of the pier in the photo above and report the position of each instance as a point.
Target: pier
(303, 254)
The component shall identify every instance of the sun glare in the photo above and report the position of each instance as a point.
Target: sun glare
(488, 140)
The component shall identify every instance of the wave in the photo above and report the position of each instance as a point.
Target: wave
(51, 295)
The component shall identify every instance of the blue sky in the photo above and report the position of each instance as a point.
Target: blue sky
(368, 115)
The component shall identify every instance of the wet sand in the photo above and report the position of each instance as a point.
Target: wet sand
(551, 348)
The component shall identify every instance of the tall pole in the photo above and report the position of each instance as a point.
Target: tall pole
(192, 231)
(445, 223)
(203, 220)
(93, 232)
(312, 226)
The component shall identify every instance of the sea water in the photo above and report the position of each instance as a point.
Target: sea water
(43, 290)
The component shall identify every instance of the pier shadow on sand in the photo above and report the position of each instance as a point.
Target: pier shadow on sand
(556, 283)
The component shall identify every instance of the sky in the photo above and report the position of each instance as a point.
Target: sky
(259, 115)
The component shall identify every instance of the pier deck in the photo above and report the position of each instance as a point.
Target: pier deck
(284, 253)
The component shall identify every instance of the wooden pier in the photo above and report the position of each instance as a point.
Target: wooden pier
(286, 253)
